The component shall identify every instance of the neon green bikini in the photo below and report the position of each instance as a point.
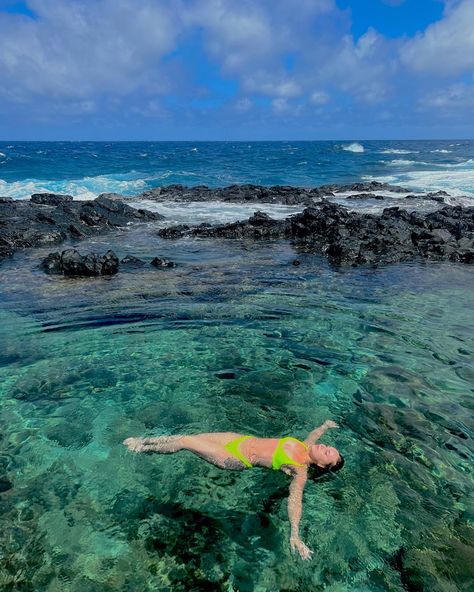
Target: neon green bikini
(279, 456)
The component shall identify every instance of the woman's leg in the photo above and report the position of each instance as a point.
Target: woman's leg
(162, 444)
(210, 447)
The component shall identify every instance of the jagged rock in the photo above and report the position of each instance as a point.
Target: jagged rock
(358, 238)
(71, 263)
(365, 196)
(132, 261)
(162, 262)
(51, 199)
(29, 224)
(6, 199)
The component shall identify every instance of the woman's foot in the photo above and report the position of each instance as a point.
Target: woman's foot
(134, 444)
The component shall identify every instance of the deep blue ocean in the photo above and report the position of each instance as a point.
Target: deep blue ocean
(85, 169)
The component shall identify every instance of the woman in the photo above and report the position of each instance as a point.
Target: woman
(229, 450)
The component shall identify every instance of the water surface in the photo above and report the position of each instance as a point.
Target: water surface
(387, 353)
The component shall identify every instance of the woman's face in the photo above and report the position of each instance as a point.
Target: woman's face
(323, 455)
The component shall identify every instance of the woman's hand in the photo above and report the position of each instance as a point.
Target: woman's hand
(329, 423)
(297, 545)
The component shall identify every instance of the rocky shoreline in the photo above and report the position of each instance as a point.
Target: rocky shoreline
(347, 237)
(50, 219)
(330, 229)
(278, 194)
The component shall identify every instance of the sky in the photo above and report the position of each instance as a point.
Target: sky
(228, 70)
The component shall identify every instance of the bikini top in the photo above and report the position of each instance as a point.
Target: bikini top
(281, 458)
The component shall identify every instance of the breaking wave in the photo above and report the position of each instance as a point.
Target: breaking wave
(398, 151)
(354, 147)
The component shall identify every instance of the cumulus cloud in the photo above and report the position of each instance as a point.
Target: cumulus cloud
(446, 47)
(457, 96)
(319, 97)
(282, 60)
(77, 50)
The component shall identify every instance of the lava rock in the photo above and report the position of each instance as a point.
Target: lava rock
(162, 262)
(365, 196)
(71, 263)
(56, 218)
(51, 199)
(353, 238)
(5, 484)
(132, 261)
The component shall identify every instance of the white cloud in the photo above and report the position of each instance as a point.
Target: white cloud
(319, 97)
(457, 96)
(446, 47)
(243, 104)
(78, 50)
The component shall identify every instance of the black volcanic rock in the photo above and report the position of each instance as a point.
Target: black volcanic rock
(71, 263)
(354, 238)
(50, 199)
(279, 194)
(132, 261)
(365, 196)
(162, 262)
(26, 224)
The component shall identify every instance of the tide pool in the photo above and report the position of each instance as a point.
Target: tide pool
(85, 363)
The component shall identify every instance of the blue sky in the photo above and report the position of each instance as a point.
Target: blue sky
(221, 69)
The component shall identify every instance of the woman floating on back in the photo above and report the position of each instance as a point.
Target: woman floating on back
(229, 450)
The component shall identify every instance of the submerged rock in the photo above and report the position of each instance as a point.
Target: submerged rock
(162, 262)
(365, 196)
(71, 263)
(132, 261)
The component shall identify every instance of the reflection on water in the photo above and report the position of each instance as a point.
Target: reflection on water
(234, 338)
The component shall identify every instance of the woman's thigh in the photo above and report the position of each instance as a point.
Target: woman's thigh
(210, 447)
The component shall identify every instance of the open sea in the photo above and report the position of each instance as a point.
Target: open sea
(235, 338)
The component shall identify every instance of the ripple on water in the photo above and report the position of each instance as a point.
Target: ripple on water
(235, 340)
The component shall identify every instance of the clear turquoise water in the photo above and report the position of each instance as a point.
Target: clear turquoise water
(388, 353)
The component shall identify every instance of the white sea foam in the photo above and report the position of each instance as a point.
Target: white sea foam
(213, 212)
(2, 154)
(397, 151)
(442, 151)
(403, 162)
(456, 179)
(354, 147)
(86, 188)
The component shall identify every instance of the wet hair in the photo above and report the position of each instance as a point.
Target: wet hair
(314, 471)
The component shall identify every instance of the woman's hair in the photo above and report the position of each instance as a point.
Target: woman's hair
(314, 471)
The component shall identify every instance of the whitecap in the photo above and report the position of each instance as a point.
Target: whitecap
(457, 180)
(354, 147)
(194, 149)
(398, 151)
(403, 162)
(442, 151)
(85, 188)
(2, 154)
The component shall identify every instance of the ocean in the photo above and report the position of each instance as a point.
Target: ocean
(85, 169)
(235, 338)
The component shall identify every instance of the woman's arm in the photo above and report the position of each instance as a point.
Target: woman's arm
(318, 432)
(295, 509)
